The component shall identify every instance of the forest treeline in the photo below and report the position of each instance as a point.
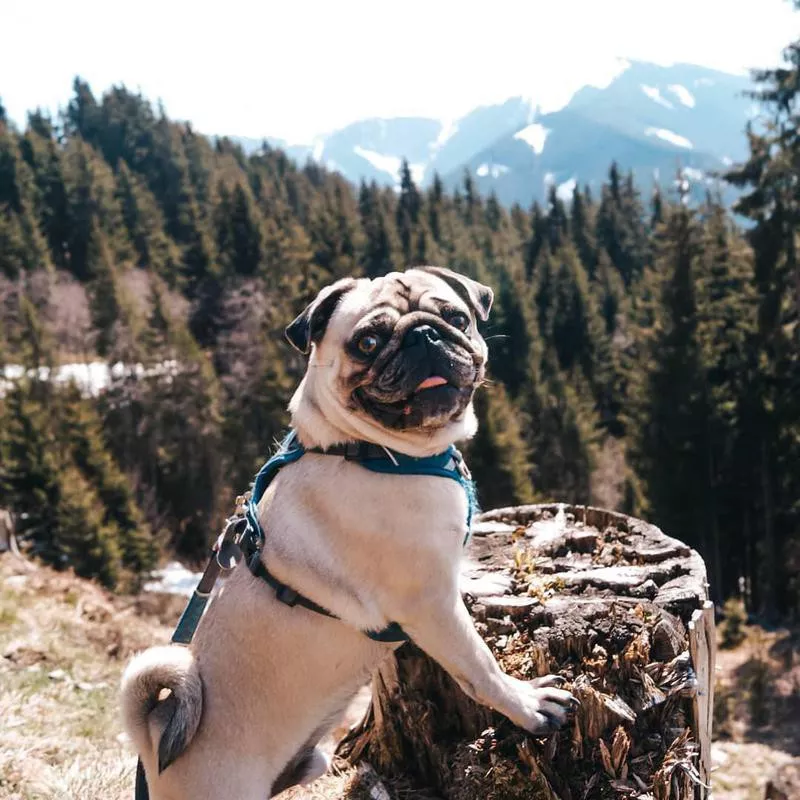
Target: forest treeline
(644, 351)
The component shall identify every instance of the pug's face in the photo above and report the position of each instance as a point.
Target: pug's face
(402, 351)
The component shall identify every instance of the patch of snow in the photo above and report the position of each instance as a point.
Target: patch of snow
(566, 190)
(495, 170)
(332, 165)
(693, 174)
(447, 131)
(173, 579)
(683, 94)
(318, 147)
(390, 164)
(703, 82)
(417, 173)
(604, 74)
(670, 136)
(534, 135)
(654, 93)
(727, 160)
(549, 179)
(91, 378)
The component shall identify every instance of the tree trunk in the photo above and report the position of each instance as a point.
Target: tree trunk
(609, 602)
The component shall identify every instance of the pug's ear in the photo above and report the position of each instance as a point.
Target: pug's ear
(310, 325)
(478, 296)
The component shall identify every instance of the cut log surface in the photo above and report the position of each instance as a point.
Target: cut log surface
(609, 602)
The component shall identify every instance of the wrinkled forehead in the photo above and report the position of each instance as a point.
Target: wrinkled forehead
(397, 294)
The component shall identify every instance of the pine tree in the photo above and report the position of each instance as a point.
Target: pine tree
(82, 117)
(772, 202)
(81, 432)
(23, 246)
(93, 211)
(86, 542)
(409, 209)
(376, 257)
(672, 448)
(113, 316)
(511, 336)
(434, 204)
(498, 455)
(726, 325)
(43, 155)
(620, 226)
(145, 226)
(582, 226)
(562, 438)
(29, 470)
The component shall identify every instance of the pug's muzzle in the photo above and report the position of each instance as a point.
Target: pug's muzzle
(425, 376)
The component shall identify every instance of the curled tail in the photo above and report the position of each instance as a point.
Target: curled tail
(162, 701)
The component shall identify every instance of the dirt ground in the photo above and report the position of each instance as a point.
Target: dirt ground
(64, 643)
(757, 712)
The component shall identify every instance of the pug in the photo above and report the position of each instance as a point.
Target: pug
(394, 361)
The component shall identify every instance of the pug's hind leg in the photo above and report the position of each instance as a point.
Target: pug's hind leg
(308, 765)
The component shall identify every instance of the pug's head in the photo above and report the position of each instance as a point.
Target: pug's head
(395, 360)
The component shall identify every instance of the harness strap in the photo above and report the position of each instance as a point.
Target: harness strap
(284, 593)
(288, 596)
(355, 451)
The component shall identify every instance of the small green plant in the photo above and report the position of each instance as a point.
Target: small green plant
(732, 632)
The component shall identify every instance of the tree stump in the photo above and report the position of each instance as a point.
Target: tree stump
(609, 602)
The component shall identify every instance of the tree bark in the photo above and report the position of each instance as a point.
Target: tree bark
(607, 601)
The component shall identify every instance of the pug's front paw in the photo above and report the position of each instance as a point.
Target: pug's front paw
(542, 708)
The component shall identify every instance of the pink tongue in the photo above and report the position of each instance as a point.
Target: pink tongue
(430, 383)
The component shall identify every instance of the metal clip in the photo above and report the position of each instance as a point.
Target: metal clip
(461, 466)
(241, 502)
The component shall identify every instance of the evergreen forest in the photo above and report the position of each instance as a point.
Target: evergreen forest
(644, 350)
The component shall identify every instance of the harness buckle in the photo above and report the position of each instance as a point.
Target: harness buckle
(352, 451)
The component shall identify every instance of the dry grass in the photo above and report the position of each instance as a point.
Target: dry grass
(63, 643)
(757, 712)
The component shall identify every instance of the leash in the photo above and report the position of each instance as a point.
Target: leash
(244, 538)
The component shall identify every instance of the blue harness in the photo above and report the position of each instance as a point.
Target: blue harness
(448, 464)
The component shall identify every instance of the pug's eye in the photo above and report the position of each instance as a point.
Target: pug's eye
(368, 344)
(459, 321)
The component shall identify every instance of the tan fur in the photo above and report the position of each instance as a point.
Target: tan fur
(372, 548)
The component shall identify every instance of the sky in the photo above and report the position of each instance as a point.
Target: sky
(299, 68)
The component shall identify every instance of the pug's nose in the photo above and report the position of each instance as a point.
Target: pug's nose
(421, 335)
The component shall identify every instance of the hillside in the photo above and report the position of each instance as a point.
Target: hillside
(648, 118)
(64, 643)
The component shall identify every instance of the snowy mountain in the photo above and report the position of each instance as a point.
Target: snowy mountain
(650, 119)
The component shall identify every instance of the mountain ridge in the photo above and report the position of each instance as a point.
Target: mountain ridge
(651, 119)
